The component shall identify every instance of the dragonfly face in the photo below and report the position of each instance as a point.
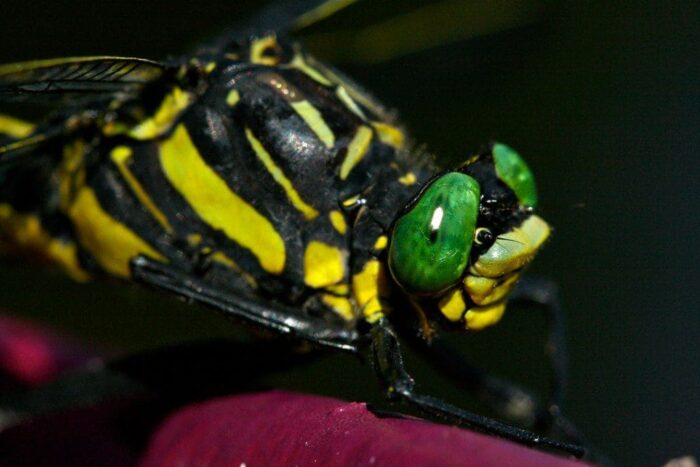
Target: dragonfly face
(463, 241)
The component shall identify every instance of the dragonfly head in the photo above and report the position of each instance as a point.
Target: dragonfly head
(460, 245)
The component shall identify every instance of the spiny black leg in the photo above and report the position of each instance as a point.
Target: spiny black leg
(283, 320)
(390, 370)
(503, 396)
(545, 294)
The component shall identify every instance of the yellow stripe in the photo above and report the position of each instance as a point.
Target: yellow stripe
(216, 204)
(356, 150)
(258, 47)
(26, 232)
(313, 118)
(300, 64)
(23, 143)
(340, 305)
(232, 98)
(161, 121)
(352, 201)
(221, 258)
(322, 11)
(389, 134)
(111, 243)
(15, 127)
(324, 264)
(338, 221)
(408, 179)
(121, 156)
(381, 242)
(343, 95)
(279, 176)
(71, 172)
(368, 286)
(369, 283)
(339, 289)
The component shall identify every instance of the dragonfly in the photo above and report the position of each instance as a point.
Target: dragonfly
(252, 178)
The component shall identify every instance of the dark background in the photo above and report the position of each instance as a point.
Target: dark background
(603, 100)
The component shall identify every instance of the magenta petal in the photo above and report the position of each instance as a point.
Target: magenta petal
(282, 428)
(33, 355)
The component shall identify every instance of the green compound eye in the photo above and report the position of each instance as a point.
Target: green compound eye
(430, 244)
(514, 172)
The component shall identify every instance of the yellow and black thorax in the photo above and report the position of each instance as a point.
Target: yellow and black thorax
(255, 167)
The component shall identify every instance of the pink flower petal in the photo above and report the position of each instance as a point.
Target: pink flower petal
(34, 355)
(282, 428)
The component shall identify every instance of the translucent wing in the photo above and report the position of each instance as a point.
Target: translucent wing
(68, 83)
(64, 77)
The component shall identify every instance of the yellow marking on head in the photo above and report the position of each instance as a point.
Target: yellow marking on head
(357, 149)
(324, 264)
(338, 221)
(211, 66)
(381, 242)
(340, 305)
(481, 317)
(232, 97)
(121, 156)
(231, 56)
(111, 243)
(512, 250)
(307, 210)
(339, 289)
(216, 204)
(315, 121)
(343, 95)
(221, 258)
(258, 47)
(161, 121)
(408, 179)
(25, 232)
(389, 134)
(485, 290)
(452, 305)
(300, 64)
(15, 127)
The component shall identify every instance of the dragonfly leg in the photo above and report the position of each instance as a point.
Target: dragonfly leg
(389, 366)
(275, 317)
(545, 295)
(504, 396)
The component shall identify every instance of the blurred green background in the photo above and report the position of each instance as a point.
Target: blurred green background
(602, 98)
